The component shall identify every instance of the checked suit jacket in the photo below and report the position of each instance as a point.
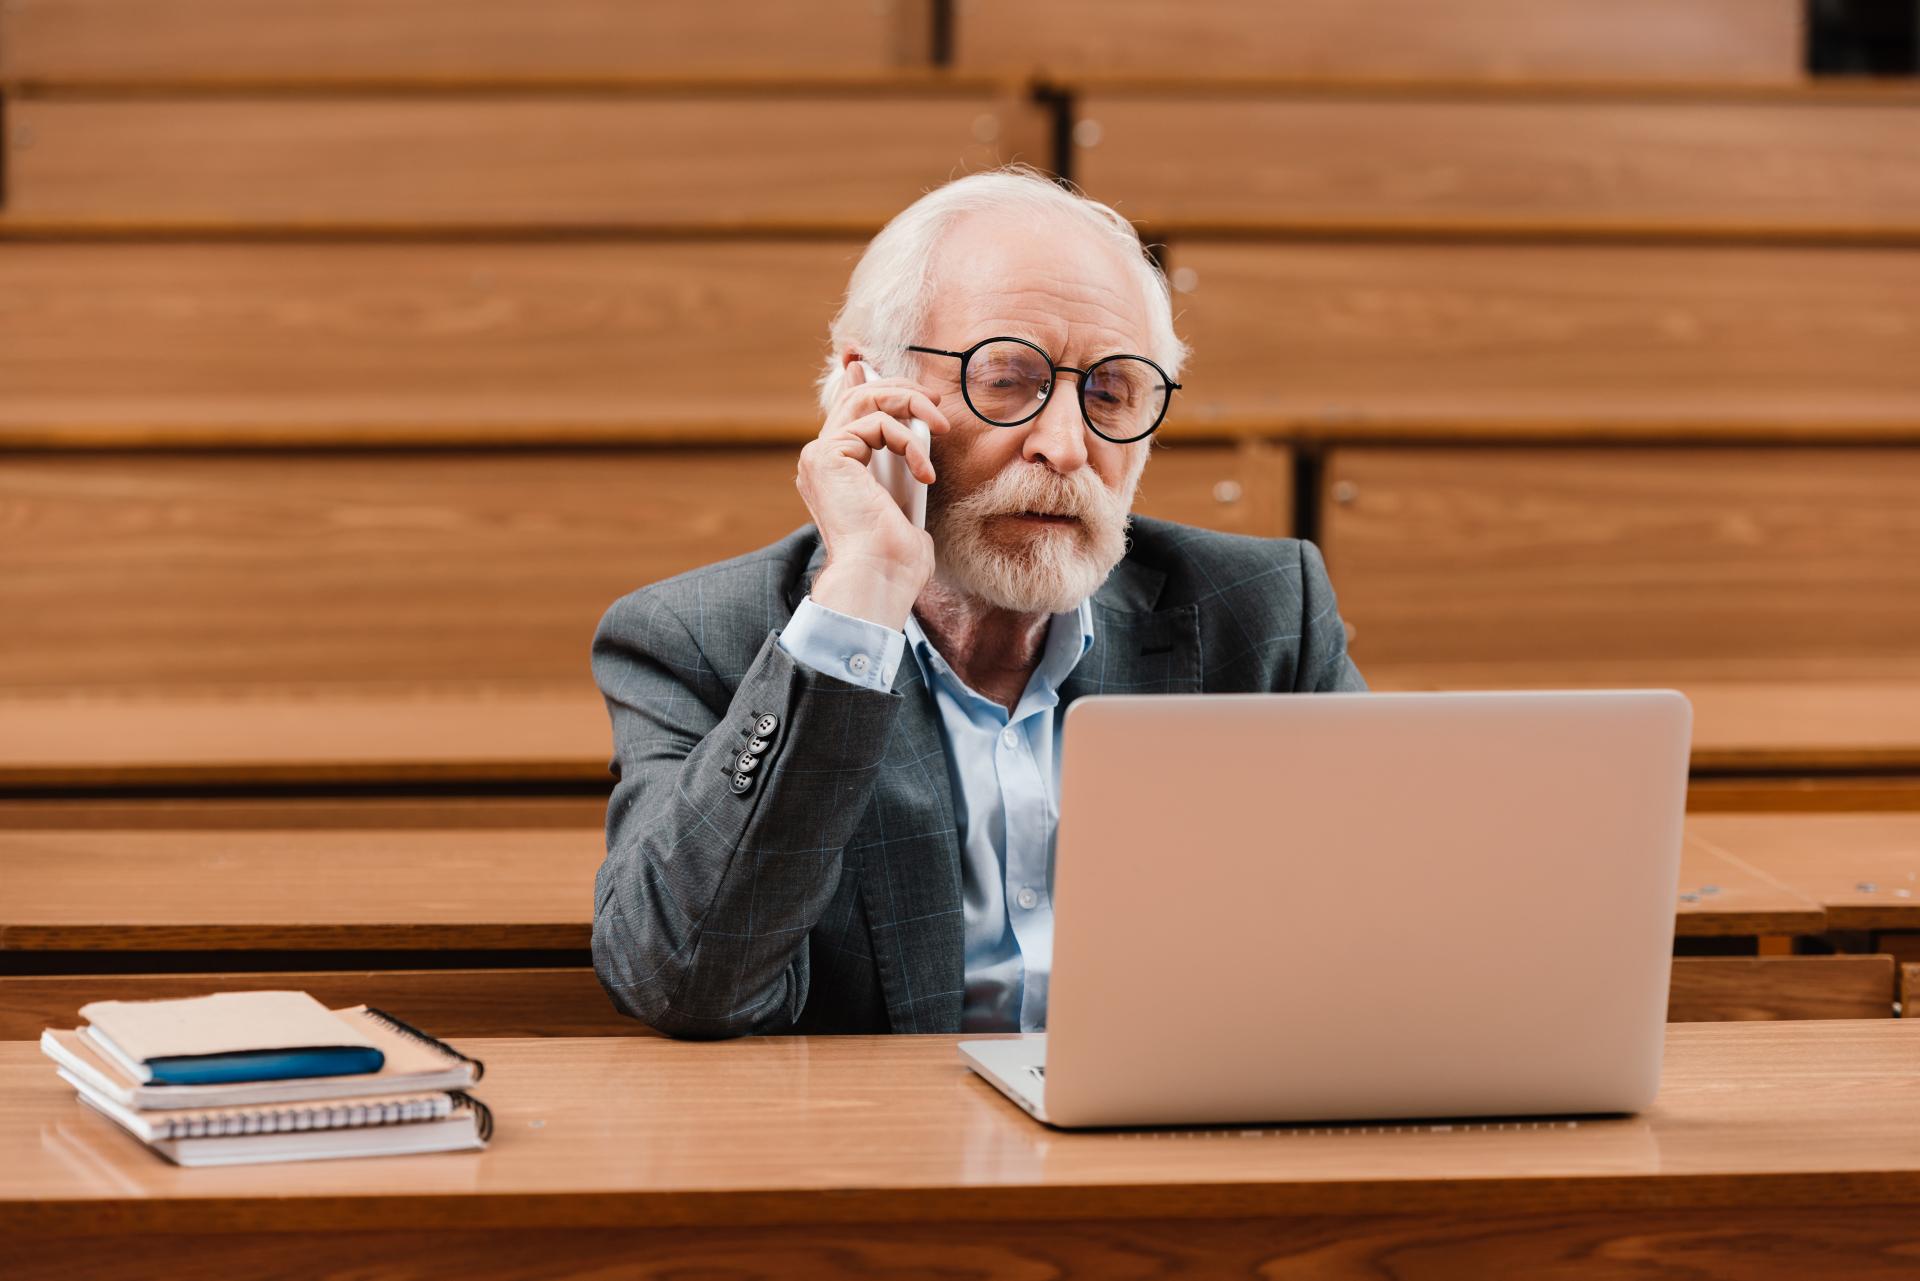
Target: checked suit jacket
(819, 890)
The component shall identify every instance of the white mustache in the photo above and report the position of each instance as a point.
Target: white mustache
(1031, 488)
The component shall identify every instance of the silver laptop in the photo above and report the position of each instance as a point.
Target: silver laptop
(1279, 908)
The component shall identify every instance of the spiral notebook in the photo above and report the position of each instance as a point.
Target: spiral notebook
(412, 1062)
(463, 1125)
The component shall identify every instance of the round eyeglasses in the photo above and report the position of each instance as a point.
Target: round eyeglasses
(1006, 382)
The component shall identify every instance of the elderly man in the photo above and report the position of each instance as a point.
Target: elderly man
(837, 755)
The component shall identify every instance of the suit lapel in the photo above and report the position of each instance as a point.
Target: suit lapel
(1137, 649)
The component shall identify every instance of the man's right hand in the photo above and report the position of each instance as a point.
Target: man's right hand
(877, 562)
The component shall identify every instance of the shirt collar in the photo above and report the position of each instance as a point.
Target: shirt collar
(1069, 637)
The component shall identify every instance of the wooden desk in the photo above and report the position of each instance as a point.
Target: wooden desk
(413, 875)
(1775, 1150)
(460, 886)
(551, 734)
(1721, 896)
(1863, 870)
(400, 875)
(1738, 726)
(266, 736)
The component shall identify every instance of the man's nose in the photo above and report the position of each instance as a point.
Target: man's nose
(1058, 436)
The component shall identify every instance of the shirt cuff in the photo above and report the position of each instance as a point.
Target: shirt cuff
(855, 650)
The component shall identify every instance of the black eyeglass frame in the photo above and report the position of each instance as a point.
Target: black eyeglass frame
(1080, 389)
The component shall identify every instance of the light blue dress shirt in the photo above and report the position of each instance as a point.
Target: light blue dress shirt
(1005, 771)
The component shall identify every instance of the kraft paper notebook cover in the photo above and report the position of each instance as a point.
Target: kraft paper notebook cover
(229, 1036)
(414, 1061)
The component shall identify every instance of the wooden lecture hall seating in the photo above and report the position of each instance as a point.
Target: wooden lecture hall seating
(356, 354)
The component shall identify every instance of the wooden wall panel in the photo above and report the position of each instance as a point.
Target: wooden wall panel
(1724, 988)
(441, 40)
(258, 342)
(1502, 39)
(1243, 490)
(138, 572)
(1744, 563)
(1815, 162)
(687, 162)
(1478, 340)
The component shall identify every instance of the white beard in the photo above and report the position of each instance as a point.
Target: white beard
(1054, 567)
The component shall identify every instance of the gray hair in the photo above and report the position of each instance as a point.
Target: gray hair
(891, 290)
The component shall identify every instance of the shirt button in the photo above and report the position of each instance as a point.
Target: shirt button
(1028, 899)
(1011, 737)
(858, 664)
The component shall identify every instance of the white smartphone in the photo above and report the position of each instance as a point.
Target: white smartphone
(890, 469)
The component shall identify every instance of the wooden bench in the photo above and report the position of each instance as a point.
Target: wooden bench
(1479, 341)
(353, 42)
(1464, 160)
(1078, 40)
(1719, 897)
(816, 162)
(395, 343)
(1862, 869)
(382, 617)
(539, 1001)
(1778, 587)
(216, 882)
(1723, 988)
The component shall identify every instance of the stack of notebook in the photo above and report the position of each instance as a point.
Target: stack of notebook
(245, 1077)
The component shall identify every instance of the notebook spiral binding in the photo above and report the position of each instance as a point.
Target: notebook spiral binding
(229, 1123)
(482, 1114)
(407, 1029)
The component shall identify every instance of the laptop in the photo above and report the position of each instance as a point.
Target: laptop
(1293, 908)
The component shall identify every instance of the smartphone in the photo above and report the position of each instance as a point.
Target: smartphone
(890, 469)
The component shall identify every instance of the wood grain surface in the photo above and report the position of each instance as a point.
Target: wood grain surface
(304, 735)
(140, 574)
(308, 734)
(322, 41)
(1720, 896)
(150, 572)
(1479, 341)
(300, 813)
(1730, 563)
(1862, 869)
(268, 343)
(779, 1132)
(841, 163)
(1546, 39)
(1910, 989)
(448, 1003)
(1825, 793)
(315, 889)
(1870, 1243)
(1821, 164)
(196, 875)
(1720, 988)
(1789, 725)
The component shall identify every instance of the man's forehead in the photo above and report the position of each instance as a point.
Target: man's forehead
(1055, 280)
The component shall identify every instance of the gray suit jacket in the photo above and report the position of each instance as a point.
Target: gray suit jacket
(825, 896)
